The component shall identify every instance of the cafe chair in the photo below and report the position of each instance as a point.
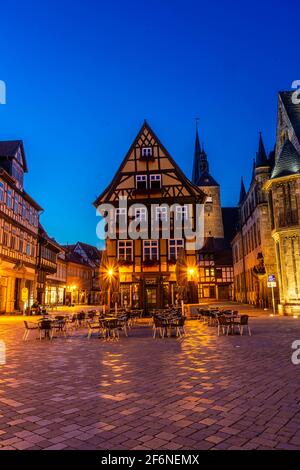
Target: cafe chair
(223, 325)
(244, 323)
(29, 327)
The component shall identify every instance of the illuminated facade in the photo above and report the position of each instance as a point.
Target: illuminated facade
(149, 176)
(19, 222)
(268, 240)
(82, 279)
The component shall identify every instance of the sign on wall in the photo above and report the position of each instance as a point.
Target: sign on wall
(24, 294)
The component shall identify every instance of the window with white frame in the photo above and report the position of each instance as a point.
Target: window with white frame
(175, 244)
(161, 213)
(150, 250)
(140, 214)
(1, 191)
(155, 181)
(125, 250)
(141, 181)
(146, 152)
(120, 212)
(181, 212)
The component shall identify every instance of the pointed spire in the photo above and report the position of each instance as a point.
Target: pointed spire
(197, 156)
(201, 176)
(261, 156)
(253, 169)
(242, 192)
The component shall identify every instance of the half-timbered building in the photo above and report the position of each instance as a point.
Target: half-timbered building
(147, 179)
(19, 222)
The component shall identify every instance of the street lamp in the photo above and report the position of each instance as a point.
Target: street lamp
(191, 272)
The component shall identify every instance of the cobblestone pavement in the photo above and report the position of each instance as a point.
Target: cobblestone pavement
(200, 392)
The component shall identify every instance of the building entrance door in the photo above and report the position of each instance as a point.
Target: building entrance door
(150, 298)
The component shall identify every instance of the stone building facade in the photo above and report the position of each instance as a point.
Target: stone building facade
(267, 240)
(283, 189)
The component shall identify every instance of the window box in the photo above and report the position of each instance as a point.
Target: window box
(150, 262)
(125, 262)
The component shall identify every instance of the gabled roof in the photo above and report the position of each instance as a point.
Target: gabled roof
(93, 255)
(194, 190)
(9, 148)
(73, 257)
(288, 162)
(261, 156)
(292, 109)
(91, 251)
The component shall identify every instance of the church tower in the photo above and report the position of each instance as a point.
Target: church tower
(213, 222)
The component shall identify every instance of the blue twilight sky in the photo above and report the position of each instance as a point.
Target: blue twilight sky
(82, 75)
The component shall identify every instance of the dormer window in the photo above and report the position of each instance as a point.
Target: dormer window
(155, 181)
(141, 181)
(146, 152)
